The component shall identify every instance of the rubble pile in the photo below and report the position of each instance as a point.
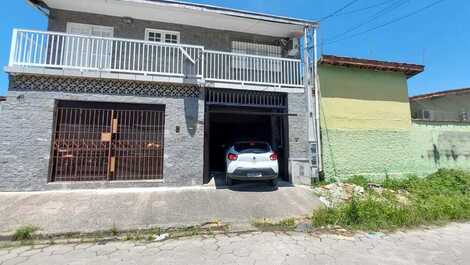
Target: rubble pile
(336, 193)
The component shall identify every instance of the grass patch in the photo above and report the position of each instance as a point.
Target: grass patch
(283, 225)
(438, 198)
(24, 233)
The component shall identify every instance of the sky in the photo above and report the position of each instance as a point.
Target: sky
(438, 37)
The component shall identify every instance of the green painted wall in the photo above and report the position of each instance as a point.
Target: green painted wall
(359, 99)
(420, 150)
(367, 129)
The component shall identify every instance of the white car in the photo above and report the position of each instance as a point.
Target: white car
(251, 160)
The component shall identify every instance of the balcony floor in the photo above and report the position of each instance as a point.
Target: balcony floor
(147, 78)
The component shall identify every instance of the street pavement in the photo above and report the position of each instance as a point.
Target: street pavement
(445, 245)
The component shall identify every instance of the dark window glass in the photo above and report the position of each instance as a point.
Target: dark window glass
(252, 147)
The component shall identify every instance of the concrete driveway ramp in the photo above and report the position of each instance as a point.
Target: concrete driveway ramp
(95, 210)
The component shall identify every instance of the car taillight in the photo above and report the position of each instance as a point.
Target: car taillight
(273, 157)
(232, 157)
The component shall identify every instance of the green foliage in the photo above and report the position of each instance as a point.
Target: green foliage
(267, 225)
(114, 231)
(358, 180)
(441, 197)
(24, 233)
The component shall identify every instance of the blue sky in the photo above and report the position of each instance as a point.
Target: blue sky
(439, 37)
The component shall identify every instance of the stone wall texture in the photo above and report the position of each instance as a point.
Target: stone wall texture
(26, 135)
(420, 150)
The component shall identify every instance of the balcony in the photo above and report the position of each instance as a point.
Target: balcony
(53, 52)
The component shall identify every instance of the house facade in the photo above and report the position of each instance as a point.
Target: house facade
(444, 106)
(369, 127)
(149, 93)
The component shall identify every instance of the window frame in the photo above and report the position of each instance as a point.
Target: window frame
(90, 26)
(162, 33)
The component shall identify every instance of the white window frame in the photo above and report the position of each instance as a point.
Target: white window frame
(70, 24)
(94, 59)
(162, 33)
(256, 49)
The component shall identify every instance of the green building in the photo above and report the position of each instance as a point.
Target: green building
(367, 127)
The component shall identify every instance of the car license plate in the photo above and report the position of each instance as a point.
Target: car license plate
(254, 174)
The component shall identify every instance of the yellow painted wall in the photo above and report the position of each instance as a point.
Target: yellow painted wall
(363, 99)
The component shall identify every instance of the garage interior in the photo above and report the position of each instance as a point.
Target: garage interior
(243, 116)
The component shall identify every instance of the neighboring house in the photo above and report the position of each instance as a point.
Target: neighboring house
(445, 106)
(367, 127)
(149, 93)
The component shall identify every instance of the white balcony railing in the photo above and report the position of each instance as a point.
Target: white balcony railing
(251, 69)
(116, 55)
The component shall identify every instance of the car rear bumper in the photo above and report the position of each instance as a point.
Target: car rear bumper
(253, 174)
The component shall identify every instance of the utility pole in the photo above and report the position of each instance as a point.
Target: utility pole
(310, 83)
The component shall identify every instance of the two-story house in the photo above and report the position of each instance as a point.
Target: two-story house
(123, 93)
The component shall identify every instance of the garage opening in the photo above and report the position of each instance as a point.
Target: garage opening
(233, 116)
(96, 141)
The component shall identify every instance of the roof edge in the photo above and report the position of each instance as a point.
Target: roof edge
(234, 12)
(409, 70)
(440, 94)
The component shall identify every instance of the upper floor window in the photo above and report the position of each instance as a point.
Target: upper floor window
(90, 30)
(256, 49)
(158, 35)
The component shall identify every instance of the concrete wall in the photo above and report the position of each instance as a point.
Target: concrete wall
(367, 128)
(209, 38)
(27, 119)
(422, 149)
(447, 108)
(363, 99)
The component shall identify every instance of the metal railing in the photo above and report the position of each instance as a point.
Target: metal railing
(252, 69)
(116, 55)
(68, 51)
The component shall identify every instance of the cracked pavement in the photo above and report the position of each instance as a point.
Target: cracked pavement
(444, 245)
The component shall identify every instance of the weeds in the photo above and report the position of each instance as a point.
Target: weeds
(24, 233)
(114, 231)
(441, 197)
(267, 225)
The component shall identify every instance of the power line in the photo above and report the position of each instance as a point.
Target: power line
(363, 9)
(338, 11)
(389, 22)
(394, 5)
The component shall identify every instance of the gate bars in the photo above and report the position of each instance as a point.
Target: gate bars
(99, 144)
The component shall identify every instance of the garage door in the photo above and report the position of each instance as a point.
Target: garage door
(96, 141)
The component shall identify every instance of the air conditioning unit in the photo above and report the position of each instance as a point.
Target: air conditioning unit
(464, 116)
(294, 48)
(426, 115)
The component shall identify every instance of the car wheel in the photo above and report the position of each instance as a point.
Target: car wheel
(228, 181)
(274, 182)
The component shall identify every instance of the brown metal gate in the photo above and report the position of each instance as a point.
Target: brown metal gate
(107, 141)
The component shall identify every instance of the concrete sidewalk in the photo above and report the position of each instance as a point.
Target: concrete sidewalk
(95, 210)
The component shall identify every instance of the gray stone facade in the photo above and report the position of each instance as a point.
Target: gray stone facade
(27, 115)
(209, 38)
(26, 135)
(27, 121)
(297, 127)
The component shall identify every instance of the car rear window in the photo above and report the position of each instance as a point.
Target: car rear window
(254, 147)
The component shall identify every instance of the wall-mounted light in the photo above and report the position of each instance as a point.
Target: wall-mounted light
(128, 20)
